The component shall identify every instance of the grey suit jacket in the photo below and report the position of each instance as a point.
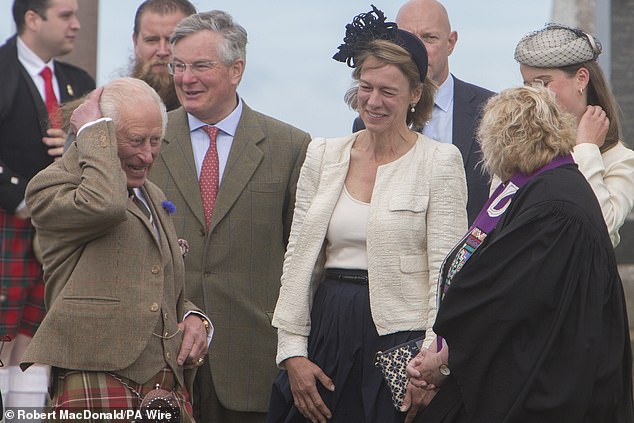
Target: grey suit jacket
(233, 270)
(110, 280)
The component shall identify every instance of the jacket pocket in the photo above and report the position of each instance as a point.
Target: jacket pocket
(413, 263)
(96, 300)
(414, 279)
(408, 202)
(265, 186)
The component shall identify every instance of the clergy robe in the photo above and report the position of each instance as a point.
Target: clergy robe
(536, 320)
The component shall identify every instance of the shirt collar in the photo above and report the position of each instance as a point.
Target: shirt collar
(228, 125)
(31, 61)
(444, 95)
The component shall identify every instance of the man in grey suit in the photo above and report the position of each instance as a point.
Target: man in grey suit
(232, 172)
(457, 103)
(118, 327)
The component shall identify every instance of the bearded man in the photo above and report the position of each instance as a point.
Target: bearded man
(154, 22)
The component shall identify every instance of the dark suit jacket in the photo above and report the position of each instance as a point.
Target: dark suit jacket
(233, 270)
(24, 121)
(111, 282)
(468, 100)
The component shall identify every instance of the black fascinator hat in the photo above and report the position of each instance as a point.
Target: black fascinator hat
(370, 26)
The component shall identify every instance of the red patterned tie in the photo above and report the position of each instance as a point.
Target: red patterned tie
(209, 175)
(52, 106)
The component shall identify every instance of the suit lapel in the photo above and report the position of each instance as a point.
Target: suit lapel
(40, 106)
(134, 209)
(160, 218)
(244, 158)
(463, 111)
(179, 159)
(66, 89)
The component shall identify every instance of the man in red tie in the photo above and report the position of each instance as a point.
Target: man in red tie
(33, 86)
(232, 172)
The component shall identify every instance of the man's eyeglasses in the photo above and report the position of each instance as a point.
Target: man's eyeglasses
(178, 68)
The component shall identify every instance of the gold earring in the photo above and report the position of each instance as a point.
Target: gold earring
(580, 91)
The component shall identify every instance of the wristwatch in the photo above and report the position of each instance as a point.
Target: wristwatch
(444, 370)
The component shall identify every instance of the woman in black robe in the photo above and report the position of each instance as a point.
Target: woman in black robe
(534, 319)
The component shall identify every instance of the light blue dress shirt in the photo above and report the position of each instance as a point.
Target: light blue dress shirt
(200, 140)
(440, 127)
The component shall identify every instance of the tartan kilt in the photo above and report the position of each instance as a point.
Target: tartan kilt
(76, 390)
(21, 284)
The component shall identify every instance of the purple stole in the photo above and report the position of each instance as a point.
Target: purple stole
(486, 221)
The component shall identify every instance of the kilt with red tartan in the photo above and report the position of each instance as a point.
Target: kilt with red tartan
(76, 390)
(21, 285)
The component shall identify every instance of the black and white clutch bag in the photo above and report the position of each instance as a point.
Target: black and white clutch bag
(393, 363)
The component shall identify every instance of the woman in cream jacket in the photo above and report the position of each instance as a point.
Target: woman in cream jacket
(375, 214)
(564, 60)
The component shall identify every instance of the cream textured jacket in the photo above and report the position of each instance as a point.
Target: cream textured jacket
(611, 176)
(417, 214)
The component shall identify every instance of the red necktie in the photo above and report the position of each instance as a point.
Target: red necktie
(209, 175)
(52, 106)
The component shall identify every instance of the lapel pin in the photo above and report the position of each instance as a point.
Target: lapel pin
(69, 90)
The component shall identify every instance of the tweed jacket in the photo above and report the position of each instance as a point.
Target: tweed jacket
(417, 214)
(233, 269)
(110, 280)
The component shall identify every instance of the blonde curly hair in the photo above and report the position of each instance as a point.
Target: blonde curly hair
(523, 129)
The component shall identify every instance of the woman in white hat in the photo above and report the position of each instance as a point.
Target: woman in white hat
(563, 59)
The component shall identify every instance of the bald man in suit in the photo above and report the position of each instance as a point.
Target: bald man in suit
(457, 103)
(118, 325)
(237, 245)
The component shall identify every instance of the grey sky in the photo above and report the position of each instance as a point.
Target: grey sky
(290, 74)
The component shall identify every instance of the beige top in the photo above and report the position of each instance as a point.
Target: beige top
(347, 234)
(417, 214)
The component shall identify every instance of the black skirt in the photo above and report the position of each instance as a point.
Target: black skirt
(343, 342)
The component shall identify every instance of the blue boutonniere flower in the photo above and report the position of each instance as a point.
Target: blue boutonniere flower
(169, 207)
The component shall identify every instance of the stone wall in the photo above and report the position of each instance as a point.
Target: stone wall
(622, 78)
